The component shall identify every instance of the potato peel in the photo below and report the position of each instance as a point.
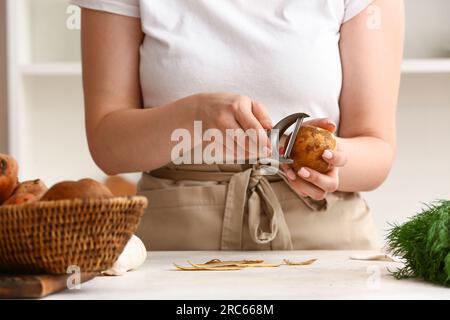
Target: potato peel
(301, 263)
(234, 264)
(219, 265)
(260, 265)
(218, 261)
(182, 268)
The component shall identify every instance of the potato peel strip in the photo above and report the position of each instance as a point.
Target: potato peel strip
(206, 268)
(219, 265)
(301, 263)
(241, 265)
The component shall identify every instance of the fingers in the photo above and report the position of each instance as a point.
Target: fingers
(307, 189)
(310, 183)
(248, 120)
(234, 146)
(291, 175)
(262, 115)
(323, 123)
(336, 158)
(327, 182)
(301, 187)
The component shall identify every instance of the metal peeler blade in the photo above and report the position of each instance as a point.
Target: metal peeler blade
(281, 127)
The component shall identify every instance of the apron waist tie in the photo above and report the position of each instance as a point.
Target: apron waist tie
(249, 187)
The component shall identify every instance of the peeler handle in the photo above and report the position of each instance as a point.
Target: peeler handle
(281, 127)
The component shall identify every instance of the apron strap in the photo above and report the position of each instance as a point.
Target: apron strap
(279, 235)
(252, 188)
(233, 218)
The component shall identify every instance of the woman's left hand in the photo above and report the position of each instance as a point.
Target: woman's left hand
(309, 182)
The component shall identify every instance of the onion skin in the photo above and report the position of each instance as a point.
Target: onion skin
(132, 257)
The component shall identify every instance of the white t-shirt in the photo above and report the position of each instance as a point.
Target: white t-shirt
(282, 53)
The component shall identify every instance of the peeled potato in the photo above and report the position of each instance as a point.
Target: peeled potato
(8, 177)
(82, 189)
(309, 146)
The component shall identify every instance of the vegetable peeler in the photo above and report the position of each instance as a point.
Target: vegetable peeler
(295, 119)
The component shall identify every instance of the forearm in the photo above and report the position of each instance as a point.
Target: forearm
(135, 140)
(369, 162)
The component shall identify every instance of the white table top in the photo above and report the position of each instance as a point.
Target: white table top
(332, 276)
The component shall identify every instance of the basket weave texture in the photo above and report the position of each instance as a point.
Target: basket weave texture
(51, 236)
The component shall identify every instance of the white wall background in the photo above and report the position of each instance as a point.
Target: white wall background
(421, 172)
(422, 169)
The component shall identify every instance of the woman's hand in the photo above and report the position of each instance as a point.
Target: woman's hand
(223, 111)
(308, 182)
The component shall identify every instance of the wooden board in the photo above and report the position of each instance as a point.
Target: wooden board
(35, 286)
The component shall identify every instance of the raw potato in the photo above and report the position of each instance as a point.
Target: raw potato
(81, 189)
(309, 146)
(21, 198)
(120, 186)
(8, 177)
(36, 187)
(28, 191)
(132, 257)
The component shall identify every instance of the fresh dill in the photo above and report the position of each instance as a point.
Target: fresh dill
(424, 244)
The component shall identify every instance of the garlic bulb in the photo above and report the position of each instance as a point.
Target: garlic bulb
(132, 257)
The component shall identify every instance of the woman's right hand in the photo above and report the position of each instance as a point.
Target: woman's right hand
(224, 111)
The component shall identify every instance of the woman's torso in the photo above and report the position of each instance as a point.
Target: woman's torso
(282, 53)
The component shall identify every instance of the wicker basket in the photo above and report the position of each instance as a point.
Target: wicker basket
(49, 236)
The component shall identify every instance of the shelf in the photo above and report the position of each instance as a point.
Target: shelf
(52, 69)
(433, 65)
(436, 65)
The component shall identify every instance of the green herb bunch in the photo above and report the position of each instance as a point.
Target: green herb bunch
(424, 244)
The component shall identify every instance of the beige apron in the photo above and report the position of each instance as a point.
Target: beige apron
(237, 207)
